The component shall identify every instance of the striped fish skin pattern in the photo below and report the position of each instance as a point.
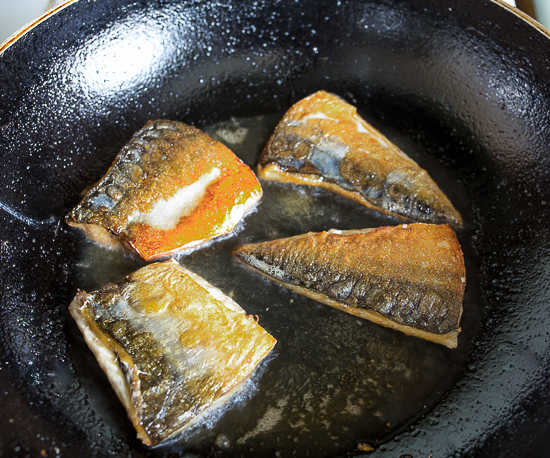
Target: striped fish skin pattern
(322, 141)
(171, 344)
(412, 275)
(171, 187)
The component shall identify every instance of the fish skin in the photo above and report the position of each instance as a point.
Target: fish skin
(161, 159)
(322, 141)
(413, 275)
(171, 345)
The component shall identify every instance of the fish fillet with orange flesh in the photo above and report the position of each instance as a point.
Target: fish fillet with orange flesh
(171, 187)
(409, 277)
(322, 141)
(171, 344)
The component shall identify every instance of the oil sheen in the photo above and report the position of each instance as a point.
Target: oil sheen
(334, 381)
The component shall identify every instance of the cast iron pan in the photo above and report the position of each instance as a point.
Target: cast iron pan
(461, 85)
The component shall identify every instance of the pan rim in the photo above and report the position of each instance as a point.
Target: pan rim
(54, 10)
(522, 15)
(32, 24)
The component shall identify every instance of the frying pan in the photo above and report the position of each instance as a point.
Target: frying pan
(461, 85)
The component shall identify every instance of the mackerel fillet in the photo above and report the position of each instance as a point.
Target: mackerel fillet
(171, 187)
(409, 277)
(322, 141)
(172, 345)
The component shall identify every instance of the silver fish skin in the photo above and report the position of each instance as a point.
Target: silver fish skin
(172, 345)
(322, 141)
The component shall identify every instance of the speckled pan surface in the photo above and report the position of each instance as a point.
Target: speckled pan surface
(462, 86)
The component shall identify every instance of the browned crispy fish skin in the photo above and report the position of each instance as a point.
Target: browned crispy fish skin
(171, 345)
(171, 187)
(409, 277)
(322, 141)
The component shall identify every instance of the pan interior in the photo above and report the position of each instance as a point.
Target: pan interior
(455, 92)
(334, 381)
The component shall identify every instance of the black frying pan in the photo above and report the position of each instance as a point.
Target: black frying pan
(461, 85)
